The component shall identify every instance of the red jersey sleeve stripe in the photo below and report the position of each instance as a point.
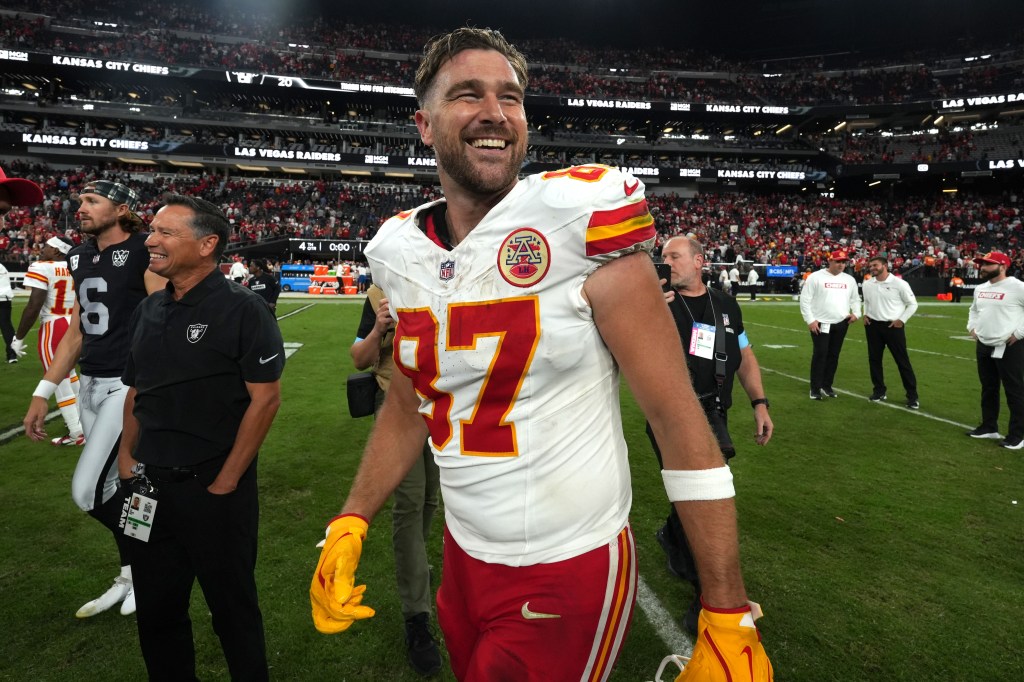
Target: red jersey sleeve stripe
(618, 215)
(36, 276)
(619, 228)
(620, 242)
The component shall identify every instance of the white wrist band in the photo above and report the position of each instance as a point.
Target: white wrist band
(702, 484)
(44, 389)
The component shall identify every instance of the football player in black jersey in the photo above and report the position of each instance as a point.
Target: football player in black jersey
(111, 275)
(264, 283)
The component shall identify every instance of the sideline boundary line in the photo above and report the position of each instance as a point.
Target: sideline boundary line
(884, 403)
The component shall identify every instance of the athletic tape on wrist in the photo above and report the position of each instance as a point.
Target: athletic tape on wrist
(44, 389)
(701, 484)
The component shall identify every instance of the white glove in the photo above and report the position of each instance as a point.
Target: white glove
(18, 346)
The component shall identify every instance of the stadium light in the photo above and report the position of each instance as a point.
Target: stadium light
(839, 127)
(301, 171)
(783, 128)
(185, 164)
(876, 182)
(940, 119)
(262, 169)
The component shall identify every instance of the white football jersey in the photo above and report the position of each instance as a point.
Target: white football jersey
(54, 278)
(518, 389)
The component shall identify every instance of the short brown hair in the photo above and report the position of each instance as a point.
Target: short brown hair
(881, 259)
(443, 48)
(692, 244)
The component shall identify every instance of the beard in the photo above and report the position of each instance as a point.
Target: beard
(987, 275)
(482, 179)
(96, 227)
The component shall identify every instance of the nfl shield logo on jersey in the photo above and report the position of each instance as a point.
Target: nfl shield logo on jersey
(447, 270)
(119, 258)
(196, 331)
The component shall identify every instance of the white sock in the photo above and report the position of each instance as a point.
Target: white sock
(68, 404)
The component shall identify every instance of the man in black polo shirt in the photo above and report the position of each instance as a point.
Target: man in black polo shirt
(701, 315)
(264, 283)
(204, 374)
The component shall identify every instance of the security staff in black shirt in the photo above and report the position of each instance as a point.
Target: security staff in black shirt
(710, 327)
(264, 284)
(204, 372)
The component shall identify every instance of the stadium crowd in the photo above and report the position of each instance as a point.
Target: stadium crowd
(926, 236)
(320, 47)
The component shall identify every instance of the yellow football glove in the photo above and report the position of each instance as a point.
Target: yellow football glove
(336, 600)
(728, 647)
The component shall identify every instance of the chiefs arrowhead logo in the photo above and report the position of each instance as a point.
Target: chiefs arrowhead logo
(629, 189)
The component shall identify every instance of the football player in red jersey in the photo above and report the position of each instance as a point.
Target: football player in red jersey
(52, 300)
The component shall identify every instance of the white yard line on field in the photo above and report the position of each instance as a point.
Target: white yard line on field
(661, 620)
(297, 311)
(11, 434)
(884, 403)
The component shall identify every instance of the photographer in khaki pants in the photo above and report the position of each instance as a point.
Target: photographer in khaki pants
(416, 497)
(702, 315)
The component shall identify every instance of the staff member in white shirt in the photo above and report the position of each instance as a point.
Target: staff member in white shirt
(888, 303)
(996, 320)
(752, 278)
(829, 302)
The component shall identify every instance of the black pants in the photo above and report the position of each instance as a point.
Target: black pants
(7, 329)
(957, 292)
(825, 356)
(212, 538)
(881, 336)
(674, 532)
(1008, 370)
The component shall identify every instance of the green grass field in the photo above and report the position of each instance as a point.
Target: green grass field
(882, 543)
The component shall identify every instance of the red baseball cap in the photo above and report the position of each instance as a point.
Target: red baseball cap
(23, 192)
(838, 255)
(994, 257)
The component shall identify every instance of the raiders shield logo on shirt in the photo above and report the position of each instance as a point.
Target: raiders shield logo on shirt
(119, 258)
(196, 331)
(74, 262)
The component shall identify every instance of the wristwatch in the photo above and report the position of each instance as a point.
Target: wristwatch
(760, 401)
